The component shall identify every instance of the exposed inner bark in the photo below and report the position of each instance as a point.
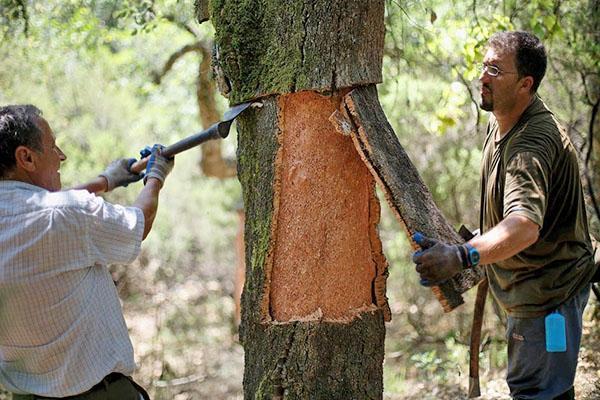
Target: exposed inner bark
(326, 258)
(317, 360)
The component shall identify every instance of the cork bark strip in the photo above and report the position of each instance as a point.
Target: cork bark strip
(326, 260)
(362, 118)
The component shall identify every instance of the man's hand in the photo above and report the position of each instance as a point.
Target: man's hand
(118, 174)
(437, 261)
(158, 166)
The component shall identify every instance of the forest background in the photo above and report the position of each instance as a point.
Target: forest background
(115, 76)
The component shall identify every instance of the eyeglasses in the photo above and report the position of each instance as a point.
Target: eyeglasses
(492, 70)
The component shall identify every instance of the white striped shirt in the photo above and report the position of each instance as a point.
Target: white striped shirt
(61, 324)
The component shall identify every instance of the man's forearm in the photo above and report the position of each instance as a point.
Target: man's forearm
(147, 201)
(96, 185)
(511, 236)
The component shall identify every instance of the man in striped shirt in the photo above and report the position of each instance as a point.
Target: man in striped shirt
(62, 331)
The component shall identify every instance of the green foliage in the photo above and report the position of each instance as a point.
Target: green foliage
(13, 17)
(87, 64)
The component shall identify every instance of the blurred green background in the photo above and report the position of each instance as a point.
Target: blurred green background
(90, 66)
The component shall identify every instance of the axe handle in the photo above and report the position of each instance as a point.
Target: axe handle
(474, 389)
(184, 144)
(139, 166)
(192, 141)
(218, 130)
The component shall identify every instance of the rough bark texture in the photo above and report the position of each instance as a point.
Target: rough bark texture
(294, 360)
(362, 118)
(275, 47)
(202, 11)
(240, 267)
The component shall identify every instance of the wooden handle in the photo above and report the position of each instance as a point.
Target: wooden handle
(139, 166)
(218, 130)
(474, 388)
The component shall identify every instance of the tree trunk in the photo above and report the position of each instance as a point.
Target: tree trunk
(312, 324)
(314, 304)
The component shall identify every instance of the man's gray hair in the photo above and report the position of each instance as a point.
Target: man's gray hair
(18, 127)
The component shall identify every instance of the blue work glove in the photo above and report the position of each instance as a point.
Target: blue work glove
(118, 174)
(158, 166)
(437, 261)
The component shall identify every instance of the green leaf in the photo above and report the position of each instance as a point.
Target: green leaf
(549, 22)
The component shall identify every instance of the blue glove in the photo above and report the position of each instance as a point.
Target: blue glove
(118, 174)
(158, 166)
(437, 261)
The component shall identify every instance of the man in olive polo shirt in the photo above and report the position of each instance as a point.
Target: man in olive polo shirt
(534, 236)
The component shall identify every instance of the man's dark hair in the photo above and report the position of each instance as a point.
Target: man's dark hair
(18, 127)
(530, 54)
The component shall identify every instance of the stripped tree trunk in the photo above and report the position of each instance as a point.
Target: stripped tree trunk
(313, 305)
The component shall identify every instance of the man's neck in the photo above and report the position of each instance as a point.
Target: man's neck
(17, 175)
(508, 119)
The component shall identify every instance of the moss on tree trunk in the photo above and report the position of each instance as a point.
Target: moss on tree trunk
(274, 47)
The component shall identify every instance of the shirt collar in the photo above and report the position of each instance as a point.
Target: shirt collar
(9, 184)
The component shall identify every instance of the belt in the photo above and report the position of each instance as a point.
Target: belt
(104, 383)
(107, 380)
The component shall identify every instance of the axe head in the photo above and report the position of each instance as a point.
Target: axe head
(231, 114)
(235, 111)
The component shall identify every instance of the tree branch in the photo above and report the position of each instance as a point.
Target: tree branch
(588, 156)
(474, 9)
(588, 159)
(471, 96)
(183, 25)
(157, 76)
(588, 97)
(23, 5)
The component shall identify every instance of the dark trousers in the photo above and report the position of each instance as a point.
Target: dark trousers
(535, 374)
(568, 395)
(113, 387)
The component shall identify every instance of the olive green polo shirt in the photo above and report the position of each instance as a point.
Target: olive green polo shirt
(533, 172)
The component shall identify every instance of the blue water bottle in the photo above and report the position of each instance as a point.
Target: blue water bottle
(556, 333)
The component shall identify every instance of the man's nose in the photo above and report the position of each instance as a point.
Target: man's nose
(483, 76)
(61, 155)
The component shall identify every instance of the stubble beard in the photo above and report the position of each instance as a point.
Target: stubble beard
(487, 104)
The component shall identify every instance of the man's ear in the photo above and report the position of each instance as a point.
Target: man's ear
(25, 158)
(527, 83)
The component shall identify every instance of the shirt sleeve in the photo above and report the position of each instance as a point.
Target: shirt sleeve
(526, 187)
(91, 231)
(116, 233)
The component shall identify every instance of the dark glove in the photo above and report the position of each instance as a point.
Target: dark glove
(158, 166)
(118, 174)
(437, 261)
